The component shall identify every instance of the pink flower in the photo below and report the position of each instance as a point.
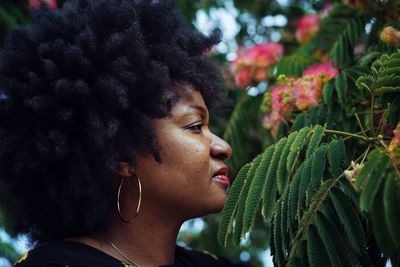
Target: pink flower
(52, 4)
(266, 54)
(308, 91)
(295, 93)
(324, 71)
(271, 121)
(243, 78)
(394, 148)
(282, 105)
(307, 27)
(256, 61)
(34, 3)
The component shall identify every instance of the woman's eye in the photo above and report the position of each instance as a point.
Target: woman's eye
(196, 127)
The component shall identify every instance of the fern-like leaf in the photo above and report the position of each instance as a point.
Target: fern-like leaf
(341, 88)
(304, 183)
(318, 167)
(228, 213)
(318, 133)
(317, 253)
(286, 235)
(336, 157)
(254, 195)
(237, 234)
(294, 194)
(350, 220)
(377, 176)
(374, 158)
(391, 200)
(342, 51)
(279, 256)
(380, 226)
(384, 76)
(270, 185)
(325, 229)
(281, 175)
(296, 147)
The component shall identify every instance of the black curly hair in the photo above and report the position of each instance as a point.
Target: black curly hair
(81, 86)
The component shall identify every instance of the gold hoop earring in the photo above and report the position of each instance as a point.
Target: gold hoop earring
(139, 200)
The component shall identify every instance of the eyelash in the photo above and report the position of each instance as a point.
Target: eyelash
(196, 127)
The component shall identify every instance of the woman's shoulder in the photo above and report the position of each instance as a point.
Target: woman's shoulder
(194, 258)
(66, 254)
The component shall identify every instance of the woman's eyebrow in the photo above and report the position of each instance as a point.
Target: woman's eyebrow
(203, 110)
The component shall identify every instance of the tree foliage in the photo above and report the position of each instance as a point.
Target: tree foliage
(329, 183)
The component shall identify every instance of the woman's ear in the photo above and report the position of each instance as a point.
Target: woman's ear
(124, 169)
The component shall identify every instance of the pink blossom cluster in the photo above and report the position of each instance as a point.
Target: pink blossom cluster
(394, 148)
(295, 93)
(307, 27)
(52, 4)
(252, 64)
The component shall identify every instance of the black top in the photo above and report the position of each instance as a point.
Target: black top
(75, 254)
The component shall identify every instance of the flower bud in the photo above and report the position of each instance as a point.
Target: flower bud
(390, 36)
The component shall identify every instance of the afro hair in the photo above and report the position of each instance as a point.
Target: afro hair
(81, 85)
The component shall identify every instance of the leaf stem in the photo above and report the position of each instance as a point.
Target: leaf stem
(360, 125)
(365, 138)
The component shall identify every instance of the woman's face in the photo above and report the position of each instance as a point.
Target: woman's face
(184, 185)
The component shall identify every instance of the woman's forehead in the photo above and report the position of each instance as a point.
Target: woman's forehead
(190, 100)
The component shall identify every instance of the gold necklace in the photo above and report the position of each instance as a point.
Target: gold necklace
(117, 250)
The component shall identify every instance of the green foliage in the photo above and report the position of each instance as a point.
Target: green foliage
(342, 51)
(293, 65)
(230, 207)
(384, 77)
(293, 219)
(337, 21)
(380, 194)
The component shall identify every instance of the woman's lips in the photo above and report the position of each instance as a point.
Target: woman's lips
(223, 179)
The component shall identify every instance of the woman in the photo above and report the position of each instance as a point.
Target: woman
(105, 148)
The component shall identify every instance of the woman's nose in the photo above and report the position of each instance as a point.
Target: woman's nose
(220, 148)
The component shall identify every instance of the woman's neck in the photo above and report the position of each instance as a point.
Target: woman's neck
(145, 241)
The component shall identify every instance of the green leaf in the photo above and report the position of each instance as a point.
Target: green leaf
(228, 213)
(374, 159)
(378, 174)
(328, 92)
(379, 225)
(318, 167)
(336, 157)
(391, 200)
(281, 174)
(286, 237)
(299, 122)
(237, 234)
(293, 194)
(325, 230)
(317, 254)
(350, 220)
(341, 88)
(254, 196)
(279, 256)
(270, 185)
(304, 183)
(296, 147)
(318, 133)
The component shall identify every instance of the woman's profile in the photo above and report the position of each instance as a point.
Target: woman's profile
(105, 145)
